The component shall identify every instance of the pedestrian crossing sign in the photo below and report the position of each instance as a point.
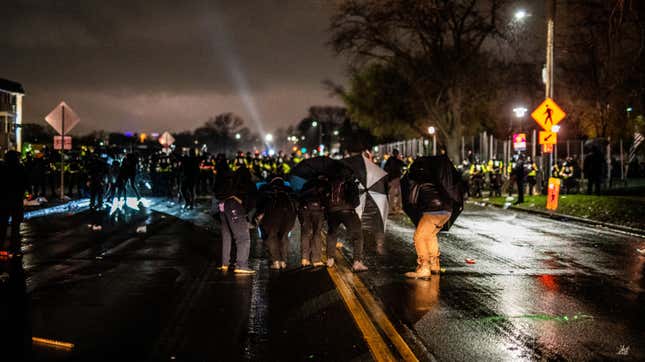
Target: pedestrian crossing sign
(548, 114)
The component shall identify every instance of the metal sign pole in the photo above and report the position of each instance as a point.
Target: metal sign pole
(62, 155)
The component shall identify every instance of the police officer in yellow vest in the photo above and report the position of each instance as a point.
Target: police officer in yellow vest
(531, 174)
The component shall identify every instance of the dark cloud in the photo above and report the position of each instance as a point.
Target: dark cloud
(169, 64)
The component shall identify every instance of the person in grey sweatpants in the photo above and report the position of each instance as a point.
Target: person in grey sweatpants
(229, 194)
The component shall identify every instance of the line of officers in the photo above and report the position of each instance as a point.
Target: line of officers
(109, 172)
(492, 176)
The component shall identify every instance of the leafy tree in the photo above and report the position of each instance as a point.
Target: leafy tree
(424, 62)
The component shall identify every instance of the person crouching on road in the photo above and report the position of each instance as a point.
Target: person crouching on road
(341, 209)
(436, 211)
(277, 216)
(311, 214)
(233, 216)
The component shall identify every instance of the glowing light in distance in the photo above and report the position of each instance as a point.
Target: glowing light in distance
(431, 130)
(520, 111)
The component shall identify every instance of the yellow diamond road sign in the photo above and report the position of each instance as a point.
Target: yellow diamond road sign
(548, 114)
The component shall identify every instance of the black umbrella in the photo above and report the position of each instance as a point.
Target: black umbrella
(313, 167)
(441, 172)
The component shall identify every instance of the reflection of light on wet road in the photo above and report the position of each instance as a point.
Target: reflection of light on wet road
(72, 206)
(130, 202)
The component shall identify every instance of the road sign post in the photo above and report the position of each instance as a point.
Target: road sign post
(62, 119)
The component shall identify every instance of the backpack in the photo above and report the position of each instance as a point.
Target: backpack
(344, 193)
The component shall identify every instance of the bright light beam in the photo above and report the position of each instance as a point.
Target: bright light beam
(223, 48)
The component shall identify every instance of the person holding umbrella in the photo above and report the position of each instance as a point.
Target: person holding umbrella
(277, 216)
(341, 209)
(433, 198)
(436, 211)
(311, 214)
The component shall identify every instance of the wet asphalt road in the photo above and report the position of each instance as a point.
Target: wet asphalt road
(540, 290)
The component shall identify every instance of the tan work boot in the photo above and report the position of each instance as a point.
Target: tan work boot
(422, 272)
(435, 267)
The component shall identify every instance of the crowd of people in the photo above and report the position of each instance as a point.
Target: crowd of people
(254, 189)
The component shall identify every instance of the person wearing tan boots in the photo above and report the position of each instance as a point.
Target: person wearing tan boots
(436, 210)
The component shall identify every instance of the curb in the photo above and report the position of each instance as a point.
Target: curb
(563, 217)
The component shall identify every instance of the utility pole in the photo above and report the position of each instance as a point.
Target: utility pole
(550, 29)
(62, 155)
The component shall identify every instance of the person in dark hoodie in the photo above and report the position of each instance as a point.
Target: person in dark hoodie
(277, 215)
(189, 178)
(341, 209)
(234, 220)
(311, 213)
(13, 185)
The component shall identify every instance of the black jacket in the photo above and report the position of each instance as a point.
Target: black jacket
(314, 194)
(13, 184)
(429, 198)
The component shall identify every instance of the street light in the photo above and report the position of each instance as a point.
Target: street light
(336, 132)
(268, 137)
(314, 124)
(521, 14)
(520, 112)
(238, 136)
(433, 132)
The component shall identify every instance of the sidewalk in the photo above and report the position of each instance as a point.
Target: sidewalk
(631, 208)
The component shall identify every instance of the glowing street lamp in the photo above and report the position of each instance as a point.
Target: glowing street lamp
(268, 137)
(520, 15)
(433, 132)
(520, 112)
(336, 132)
(314, 124)
(238, 136)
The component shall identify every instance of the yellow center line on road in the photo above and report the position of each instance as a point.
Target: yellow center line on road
(53, 343)
(378, 315)
(375, 342)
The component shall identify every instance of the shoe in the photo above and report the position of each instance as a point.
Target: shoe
(359, 266)
(422, 272)
(275, 265)
(339, 245)
(435, 266)
(244, 271)
(223, 268)
(283, 264)
(305, 262)
(330, 262)
(318, 264)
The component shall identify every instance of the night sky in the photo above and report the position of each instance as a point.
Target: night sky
(140, 65)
